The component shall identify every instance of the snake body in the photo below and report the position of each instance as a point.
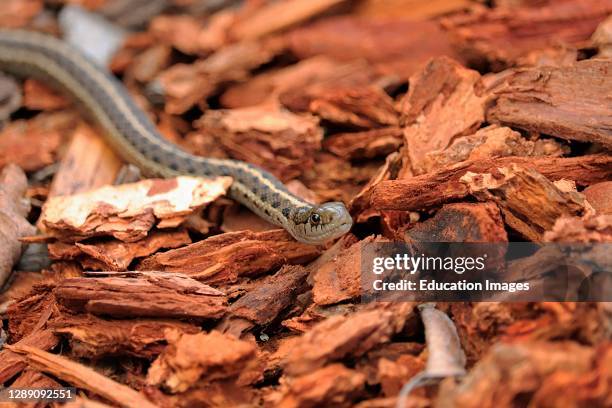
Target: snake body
(135, 138)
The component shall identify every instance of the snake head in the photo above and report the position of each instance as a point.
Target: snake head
(318, 224)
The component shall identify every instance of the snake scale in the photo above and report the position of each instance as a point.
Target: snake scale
(135, 138)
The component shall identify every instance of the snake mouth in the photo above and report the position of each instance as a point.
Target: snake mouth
(325, 236)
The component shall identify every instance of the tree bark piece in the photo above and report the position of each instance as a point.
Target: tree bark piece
(433, 189)
(116, 255)
(461, 222)
(227, 257)
(12, 363)
(38, 96)
(21, 284)
(338, 279)
(340, 336)
(442, 103)
(368, 144)
(274, 17)
(31, 313)
(559, 365)
(35, 144)
(593, 228)
(280, 141)
(529, 201)
(360, 206)
(182, 32)
(19, 13)
(501, 35)
(334, 385)
(94, 338)
(394, 46)
(602, 38)
(359, 107)
(490, 142)
(568, 102)
(88, 163)
(163, 295)
(34, 379)
(13, 224)
(203, 357)
(82, 377)
(264, 303)
(413, 9)
(186, 85)
(292, 83)
(600, 197)
(335, 179)
(129, 211)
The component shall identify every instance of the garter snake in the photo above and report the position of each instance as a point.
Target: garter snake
(135, 138)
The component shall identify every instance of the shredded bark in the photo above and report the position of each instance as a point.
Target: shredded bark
(568, 102)
(440, 124)
(148, 295)
(13, 224)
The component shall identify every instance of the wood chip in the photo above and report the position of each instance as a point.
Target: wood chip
(340, 336)
(529, 201)
(558, 365)
(332, 385)
(441, 104)
(586, 229)
(38, 96)
(227, 257)
(150, 294)
(600, 197)
(88, 163)
(93, 337)
(127, 212)
(602, 38)
(275, 17)
(396, 46)
(34, 144)
(205, 357)
(82, 377)
(489, 142)
(568, 102)
(32, 312)
(35, 379)
(13, 224)
(276, 140)
(334, 179)
(501, 35)
(365, 145)
(271, 296)
(18, 13)
(413, 9)
(290, 84)
(117, 255)
(12, 363)
(338, 279)
(461, 222)
(433, 189)
(188, 85)
(360, 107)
(181, 31)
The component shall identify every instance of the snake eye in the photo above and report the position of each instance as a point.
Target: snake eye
(315, 219)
